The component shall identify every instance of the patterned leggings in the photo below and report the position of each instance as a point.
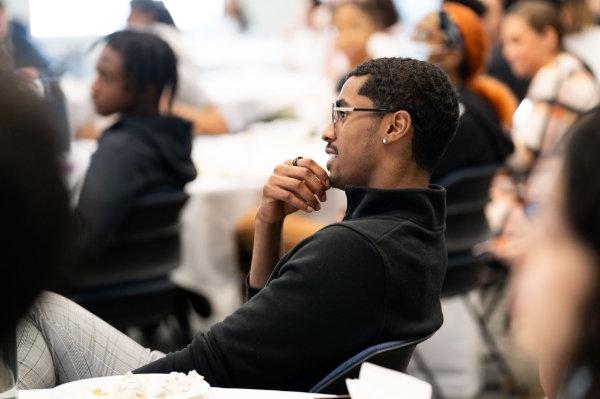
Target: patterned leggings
(58, 341)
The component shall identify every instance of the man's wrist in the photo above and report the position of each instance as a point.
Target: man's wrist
(267, 224)
(267, 250)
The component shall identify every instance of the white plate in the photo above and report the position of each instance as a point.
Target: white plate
(230, 393)
(105, 387)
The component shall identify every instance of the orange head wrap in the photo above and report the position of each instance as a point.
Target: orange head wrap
(475, 47)
(471, 29)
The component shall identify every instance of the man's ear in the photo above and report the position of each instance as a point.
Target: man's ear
(399, 126)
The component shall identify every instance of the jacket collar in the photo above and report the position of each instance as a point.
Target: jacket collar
(426, 207)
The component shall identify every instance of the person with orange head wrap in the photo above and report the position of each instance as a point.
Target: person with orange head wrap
(458, 44)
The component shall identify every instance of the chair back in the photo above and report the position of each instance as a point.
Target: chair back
(146, 245)
(467, 194)
(393, 355)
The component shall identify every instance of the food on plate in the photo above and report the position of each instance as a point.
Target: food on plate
(153, 386)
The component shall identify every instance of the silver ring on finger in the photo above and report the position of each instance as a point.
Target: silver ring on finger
(295, 161)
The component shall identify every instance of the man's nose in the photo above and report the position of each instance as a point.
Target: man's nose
(328, 134)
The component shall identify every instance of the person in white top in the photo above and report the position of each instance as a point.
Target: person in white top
(191, 102)
(582, 35)
(561, 88)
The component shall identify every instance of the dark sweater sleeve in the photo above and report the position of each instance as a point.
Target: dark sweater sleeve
(111, 183)
(326, 304)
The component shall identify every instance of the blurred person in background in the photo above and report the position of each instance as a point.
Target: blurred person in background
(561, 90)
(456, 41)
(148, 12)
(36, 220)
(556, 283)
(144, 152)
(317, 15)
(16, 46)
(18, 51)
(492, 17)
(356, 21)
(235, 14)
(190, 101)
(582, 35)
(497, 65)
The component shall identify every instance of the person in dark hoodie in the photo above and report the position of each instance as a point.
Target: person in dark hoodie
(143, 152)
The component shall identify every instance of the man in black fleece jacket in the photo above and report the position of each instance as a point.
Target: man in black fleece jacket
(374, 277)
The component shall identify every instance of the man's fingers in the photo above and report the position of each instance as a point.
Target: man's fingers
(316, 169)
(316, 183)
(305, 175)
(280, 194)
(298, 187)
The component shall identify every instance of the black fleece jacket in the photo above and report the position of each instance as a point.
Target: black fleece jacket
(374, 277)
(136, 157)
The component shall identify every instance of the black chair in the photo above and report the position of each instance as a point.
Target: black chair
(467, 194)
(393, 355)
(128, 285)
(469, 265)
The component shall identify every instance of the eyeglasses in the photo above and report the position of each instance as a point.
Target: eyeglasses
(338, 112)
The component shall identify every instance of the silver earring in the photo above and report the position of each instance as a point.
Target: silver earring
(385, 141)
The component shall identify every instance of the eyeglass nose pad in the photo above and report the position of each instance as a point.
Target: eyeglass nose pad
(333, 116)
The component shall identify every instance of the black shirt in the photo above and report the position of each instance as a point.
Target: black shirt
(373, 278)
(137, 156)
(479, 138)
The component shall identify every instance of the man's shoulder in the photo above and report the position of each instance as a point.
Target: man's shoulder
(334, 238)
(341, 231)
(336, 246)
(353, 235)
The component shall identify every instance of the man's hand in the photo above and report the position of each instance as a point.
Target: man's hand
(291, 188)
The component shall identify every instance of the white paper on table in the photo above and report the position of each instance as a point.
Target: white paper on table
(375, 382)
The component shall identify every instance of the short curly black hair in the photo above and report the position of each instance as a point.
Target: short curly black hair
(421, 89)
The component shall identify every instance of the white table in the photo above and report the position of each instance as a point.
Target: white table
(213, 393)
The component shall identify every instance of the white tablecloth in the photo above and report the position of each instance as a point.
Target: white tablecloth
(213, 393)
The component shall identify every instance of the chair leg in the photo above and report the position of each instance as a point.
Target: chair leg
(199, 303)
(493, 295)
(492, 346)
(429, 375)
(180, 312)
